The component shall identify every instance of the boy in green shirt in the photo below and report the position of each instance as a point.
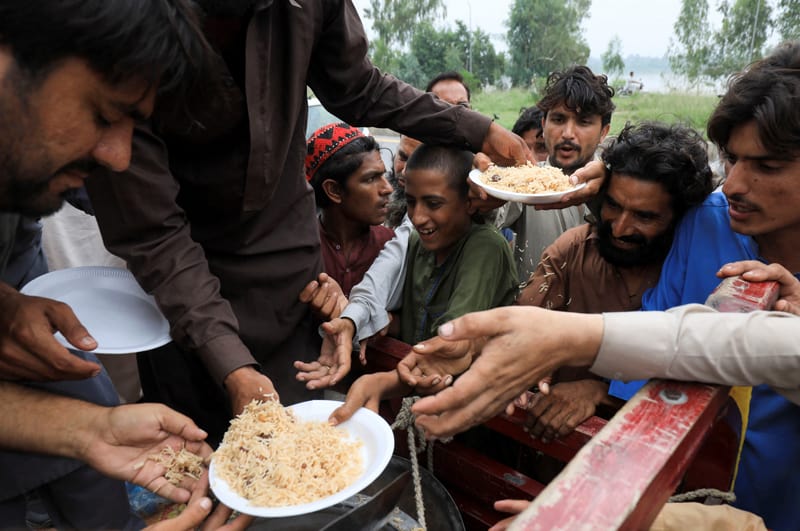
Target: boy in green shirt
(455, 264)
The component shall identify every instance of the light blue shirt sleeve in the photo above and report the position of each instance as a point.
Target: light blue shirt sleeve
(381, 289)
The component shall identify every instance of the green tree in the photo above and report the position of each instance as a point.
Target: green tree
(487, 64)
(612, 57)
(741, 39)
(394, 22)
(689, 50)
(434, 51)
(788, 19)
(543, 36)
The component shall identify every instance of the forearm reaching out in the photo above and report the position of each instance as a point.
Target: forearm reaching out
(115, 441)
(522, 345)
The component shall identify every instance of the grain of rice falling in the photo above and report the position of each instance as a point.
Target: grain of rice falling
(528, 179)
(274, 460)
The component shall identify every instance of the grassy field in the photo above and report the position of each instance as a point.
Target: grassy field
(689, 109)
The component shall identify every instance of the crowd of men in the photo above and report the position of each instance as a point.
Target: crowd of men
(188, 129)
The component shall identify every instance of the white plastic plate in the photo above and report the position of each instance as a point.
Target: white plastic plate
(376, 451)
(111, 305)
(528, 199)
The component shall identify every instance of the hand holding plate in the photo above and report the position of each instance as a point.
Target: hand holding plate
(28, 349)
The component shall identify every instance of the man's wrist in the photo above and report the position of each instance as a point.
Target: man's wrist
(238, 375)
(86, 430)
(585, 341)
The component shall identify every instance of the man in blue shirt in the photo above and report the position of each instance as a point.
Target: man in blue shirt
(756, 217)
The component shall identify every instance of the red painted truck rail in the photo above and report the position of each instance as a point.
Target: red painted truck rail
(624, 475)
(620, 472)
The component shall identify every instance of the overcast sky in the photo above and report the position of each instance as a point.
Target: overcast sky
(644, 26)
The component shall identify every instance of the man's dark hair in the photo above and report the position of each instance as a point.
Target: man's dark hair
(673, 155)
(454, 163)
(447, 76)
(529, 118)
(341, 165)
(581, 91)
(768, 93)
(154, 41)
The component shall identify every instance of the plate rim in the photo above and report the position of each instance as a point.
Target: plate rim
(530, 199)
(36, 285)
(384, 455)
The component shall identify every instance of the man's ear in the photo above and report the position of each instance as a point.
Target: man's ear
(332, 190)
(471, 210)
(604, 131)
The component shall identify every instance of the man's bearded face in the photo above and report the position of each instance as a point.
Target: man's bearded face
(645, 250)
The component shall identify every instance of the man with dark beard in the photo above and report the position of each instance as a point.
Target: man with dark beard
(657, 172)
(215, 216)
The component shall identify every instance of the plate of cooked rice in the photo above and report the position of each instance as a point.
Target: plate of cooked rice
(276, 462)
(529, 184)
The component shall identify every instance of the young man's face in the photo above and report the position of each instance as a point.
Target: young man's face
(535, 141)
(763, 188)
(635, 221)
(405, 148)
(55, 131)
(439, 214)
(572, 138)
(365, 197)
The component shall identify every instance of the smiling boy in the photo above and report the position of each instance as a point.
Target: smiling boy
(455, 264)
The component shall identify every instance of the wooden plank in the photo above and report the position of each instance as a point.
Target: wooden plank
(625, 474)
(563, 448)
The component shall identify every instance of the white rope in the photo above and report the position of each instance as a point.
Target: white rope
(727, 497)
(405, 421)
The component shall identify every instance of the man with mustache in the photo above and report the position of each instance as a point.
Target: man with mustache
(74, 77)
(215, 216)
(656, 174)
(577, 111)
(756, 217)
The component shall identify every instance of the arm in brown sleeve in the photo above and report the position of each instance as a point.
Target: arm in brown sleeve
(141, 222)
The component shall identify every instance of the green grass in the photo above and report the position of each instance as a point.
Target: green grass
(688, 109)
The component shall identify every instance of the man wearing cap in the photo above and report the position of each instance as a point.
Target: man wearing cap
(352, 193)
(215, 217)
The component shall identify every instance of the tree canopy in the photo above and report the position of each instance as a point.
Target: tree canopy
(612, 57)
(545, 35)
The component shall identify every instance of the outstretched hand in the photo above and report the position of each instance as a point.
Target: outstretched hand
(436, 360)
(28, 349)
(567, 405)
(126, 436)
(334, 360)
(522, 345)
(325, 297)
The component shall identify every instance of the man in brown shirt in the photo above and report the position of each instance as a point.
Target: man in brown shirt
(657, 173)
(215, 217)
